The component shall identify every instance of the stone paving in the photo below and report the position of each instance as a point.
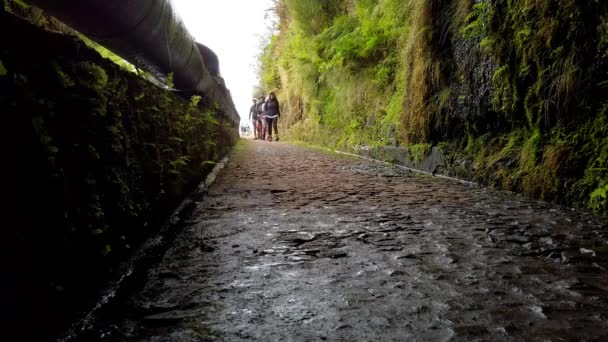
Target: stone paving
(293, 244)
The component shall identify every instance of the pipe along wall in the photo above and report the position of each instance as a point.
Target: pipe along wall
(149, 34)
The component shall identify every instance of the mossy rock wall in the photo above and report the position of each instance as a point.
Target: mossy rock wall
(96, 158)
(513, 92)
(542, 124)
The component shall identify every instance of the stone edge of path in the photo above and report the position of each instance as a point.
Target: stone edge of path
(403, 167)
(453, 179)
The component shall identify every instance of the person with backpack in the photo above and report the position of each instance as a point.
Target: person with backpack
(253, 118)
(272, 112)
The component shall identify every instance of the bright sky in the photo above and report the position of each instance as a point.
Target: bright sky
(233, 30)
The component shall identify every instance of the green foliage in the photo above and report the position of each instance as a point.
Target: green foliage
(420, 151)
(269, 71)
(105, 53)
(3, 70)
(530, 150)
(506, 96)
(194, 101)
(312, 16)
(476, 20)
(599, 198)
(169, 81)
(338, 67)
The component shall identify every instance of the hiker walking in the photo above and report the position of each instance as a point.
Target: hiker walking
(272, 111)
(253, 118)
(261, 119)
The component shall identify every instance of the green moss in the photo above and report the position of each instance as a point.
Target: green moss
(505, 94)
(420, 151)
(531, 150)
(65, 80)
(599, 198)
(91, 75)
(510, 151)
(3, 70)
(476, 21)
(470, 143)
(105, 53)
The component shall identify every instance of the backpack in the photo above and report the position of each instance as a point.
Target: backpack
(272, 107)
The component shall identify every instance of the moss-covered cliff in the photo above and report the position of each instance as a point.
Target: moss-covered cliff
(97, 158)
(514, 92)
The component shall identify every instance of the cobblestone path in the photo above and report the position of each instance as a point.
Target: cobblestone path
(292, 244)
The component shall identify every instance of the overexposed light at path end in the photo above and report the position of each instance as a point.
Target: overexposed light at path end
(233, 30)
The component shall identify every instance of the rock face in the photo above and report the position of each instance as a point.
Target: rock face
(513, 92)
(99, 156)
(472, 80)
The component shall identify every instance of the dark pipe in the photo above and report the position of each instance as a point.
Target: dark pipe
(210, 59)
(147, 33)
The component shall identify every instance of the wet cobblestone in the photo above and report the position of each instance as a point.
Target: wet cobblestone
(292, 244)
